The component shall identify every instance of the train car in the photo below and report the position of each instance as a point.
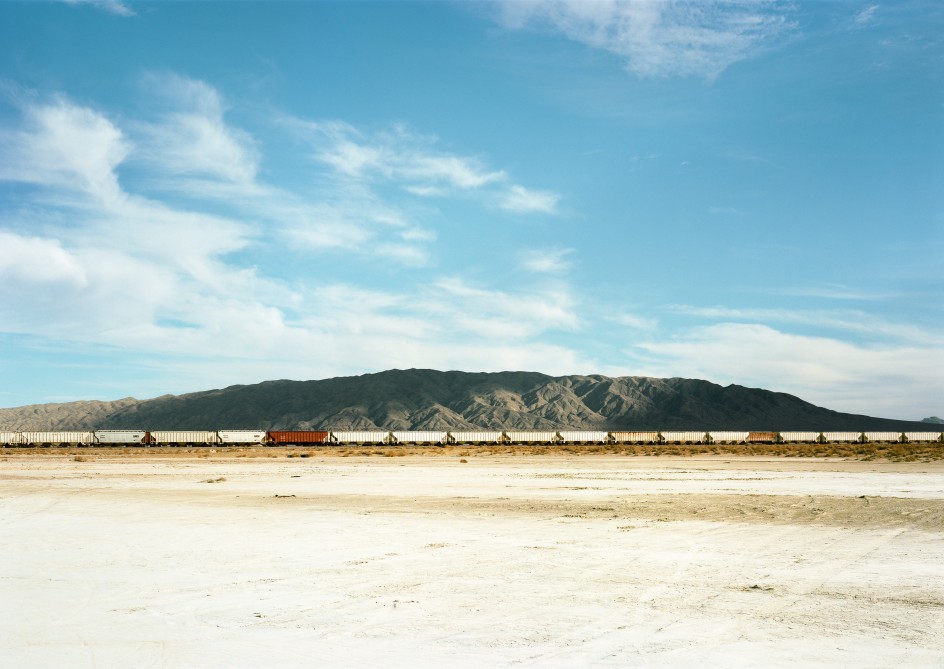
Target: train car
(584, 436)
(184, 438)
(72, 438)
(800, 437)
(627, 437)
(474, 437)
(241, 437)
(298, 437)
(923, 436)
(889, 437)
(531, 437)
(360, 437)
(763, 437)
(841, 437)
(123, 437)
(10, 438)
(419, 437)
(692, 437)
(728, 437)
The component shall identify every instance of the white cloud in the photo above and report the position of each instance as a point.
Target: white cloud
(37, 260)
(892, 380)
(835, 291)
(141, 272)
(501, 314)
(547, 261)
(413, 163)
(111, 6)
(633, 321)
(658, 38)
(837, 320)
(522, 200)
(192, 136)
(448, 324)
(68, 147)
(865, 17)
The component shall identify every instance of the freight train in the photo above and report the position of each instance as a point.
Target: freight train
(264, 437)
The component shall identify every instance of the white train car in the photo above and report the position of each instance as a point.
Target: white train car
(584, 436)
(923, 436)
(70, 438)
(10, 438)
(631, 437)
(475, 437)
(419, 437)
(185, 438)
(841, 437)
(729, 437)
(693, 437)
(531, 437)
(891, 437)
(360, 437)
(122, 437)
(801, 437)
(242, 437)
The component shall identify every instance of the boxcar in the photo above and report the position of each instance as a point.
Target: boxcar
(297, 437)
(651, 437)
(475, 437)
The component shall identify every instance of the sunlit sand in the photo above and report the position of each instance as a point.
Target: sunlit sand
(498, 561)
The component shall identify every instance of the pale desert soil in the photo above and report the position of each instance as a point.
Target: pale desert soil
(500, 561)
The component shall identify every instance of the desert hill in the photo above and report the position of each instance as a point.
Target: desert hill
(429, 399)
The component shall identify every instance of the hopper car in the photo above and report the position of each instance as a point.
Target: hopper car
(196, 438)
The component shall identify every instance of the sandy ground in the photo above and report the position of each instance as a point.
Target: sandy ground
(500, 561)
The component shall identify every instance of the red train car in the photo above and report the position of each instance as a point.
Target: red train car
(297, 437)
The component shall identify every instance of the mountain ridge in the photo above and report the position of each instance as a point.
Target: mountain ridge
(416, 399)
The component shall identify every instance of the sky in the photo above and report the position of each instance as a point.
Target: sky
(201, 194)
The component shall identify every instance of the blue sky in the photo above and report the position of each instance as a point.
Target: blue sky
(194, 195)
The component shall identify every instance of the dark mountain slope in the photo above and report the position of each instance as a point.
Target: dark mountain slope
(428, 399)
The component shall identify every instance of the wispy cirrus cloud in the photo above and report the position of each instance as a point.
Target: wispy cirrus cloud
(191, 137)
(66, 147)
(865, 17)
(416, 164)
(110, 6)
(547, 261)
(519, 199)
(856, 321)
(893, 379)
(836, 291)
(659, 38)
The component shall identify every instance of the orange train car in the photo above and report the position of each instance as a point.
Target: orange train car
(298, 437)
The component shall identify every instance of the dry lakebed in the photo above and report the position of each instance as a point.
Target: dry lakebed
(121, 560)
